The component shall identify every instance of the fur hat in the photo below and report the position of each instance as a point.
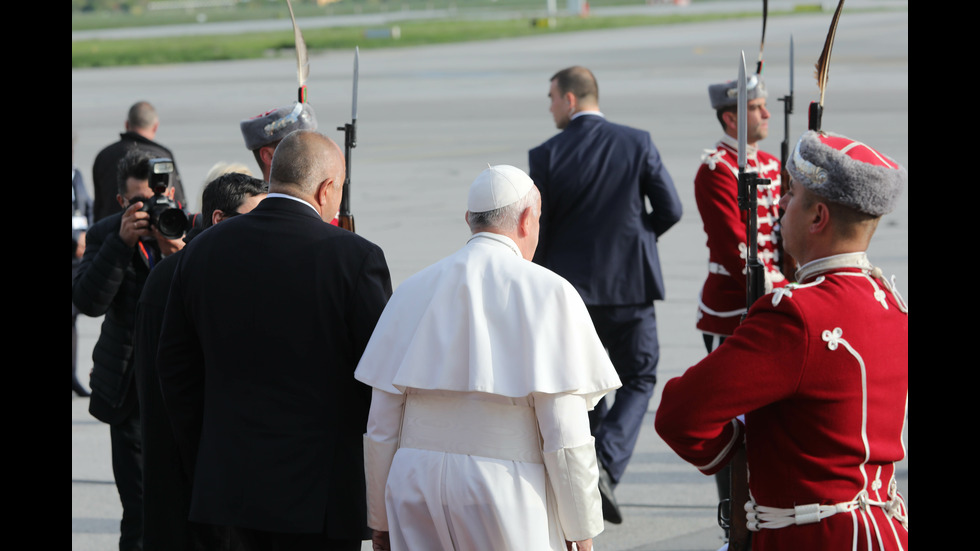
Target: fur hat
(273, 126)
(726, 93)
(847, 171)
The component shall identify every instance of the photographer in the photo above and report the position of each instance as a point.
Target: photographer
(121, 250)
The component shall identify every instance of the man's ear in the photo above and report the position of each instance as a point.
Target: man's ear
(121, 200)
(266, 153)
(820, 220)
(571, 100)
(524, 223)
(217, 216)
(326, 190)
(323, 192)
(731, 119)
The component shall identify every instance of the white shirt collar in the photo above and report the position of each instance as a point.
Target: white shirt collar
(584, 113)
(284, 196)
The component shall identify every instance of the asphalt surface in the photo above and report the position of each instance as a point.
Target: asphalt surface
(431, 117)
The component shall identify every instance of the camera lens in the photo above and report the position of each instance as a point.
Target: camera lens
(172, 223)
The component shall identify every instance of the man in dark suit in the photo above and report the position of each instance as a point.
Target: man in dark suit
(267, 318)
(166, 487)
(597, 233)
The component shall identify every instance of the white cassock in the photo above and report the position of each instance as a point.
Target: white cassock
(484, 367)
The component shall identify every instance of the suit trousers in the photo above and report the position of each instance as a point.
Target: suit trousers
(629, 333)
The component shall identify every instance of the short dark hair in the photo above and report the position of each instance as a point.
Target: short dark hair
(848, 222)
(136, 165)
(257, 152)
(227, 192)
(142, 115)
(720, 112)
(579, 81)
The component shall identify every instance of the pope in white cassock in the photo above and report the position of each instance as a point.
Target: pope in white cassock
(484, 367)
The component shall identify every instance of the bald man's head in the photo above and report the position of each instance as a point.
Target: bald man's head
(303, 161)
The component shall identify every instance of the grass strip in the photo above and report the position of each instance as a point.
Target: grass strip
(150, 51)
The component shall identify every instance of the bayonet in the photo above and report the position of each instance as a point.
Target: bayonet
(743, 129)
(786, 262)
(787, 110)
(346, 217)
(357, 63)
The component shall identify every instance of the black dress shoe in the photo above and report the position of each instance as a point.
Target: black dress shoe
(610, 509)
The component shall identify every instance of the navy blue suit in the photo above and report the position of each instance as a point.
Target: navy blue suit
(597, 233)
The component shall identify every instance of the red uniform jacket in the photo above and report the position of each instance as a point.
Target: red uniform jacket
(716, 190)
(821, 371)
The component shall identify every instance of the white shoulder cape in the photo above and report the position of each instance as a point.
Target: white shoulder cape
(486, 320)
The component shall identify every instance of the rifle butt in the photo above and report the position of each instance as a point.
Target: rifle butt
(739, 535)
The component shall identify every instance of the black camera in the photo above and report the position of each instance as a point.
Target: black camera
(165, 215)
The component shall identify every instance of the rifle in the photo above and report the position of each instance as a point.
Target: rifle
(739, 517)
(346, 218)
(735, 525)
(786, 262)
(755, 275)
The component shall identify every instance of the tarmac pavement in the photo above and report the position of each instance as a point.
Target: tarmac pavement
(431, 117)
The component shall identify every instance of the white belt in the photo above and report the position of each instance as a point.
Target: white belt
(771, 518)
(715, 268)
(471, 427)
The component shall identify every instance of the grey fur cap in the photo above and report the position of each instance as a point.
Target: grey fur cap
(275, 125)
(726, 93)
(847, 171)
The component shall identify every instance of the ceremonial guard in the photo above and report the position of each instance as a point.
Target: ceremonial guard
(819, 368)
(722, 301)
(262, 133)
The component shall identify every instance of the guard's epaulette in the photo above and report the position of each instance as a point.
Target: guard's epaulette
(712, 157)
(787, 291)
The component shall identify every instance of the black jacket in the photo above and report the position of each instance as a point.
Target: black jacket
(109, 281)
(267, 318)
